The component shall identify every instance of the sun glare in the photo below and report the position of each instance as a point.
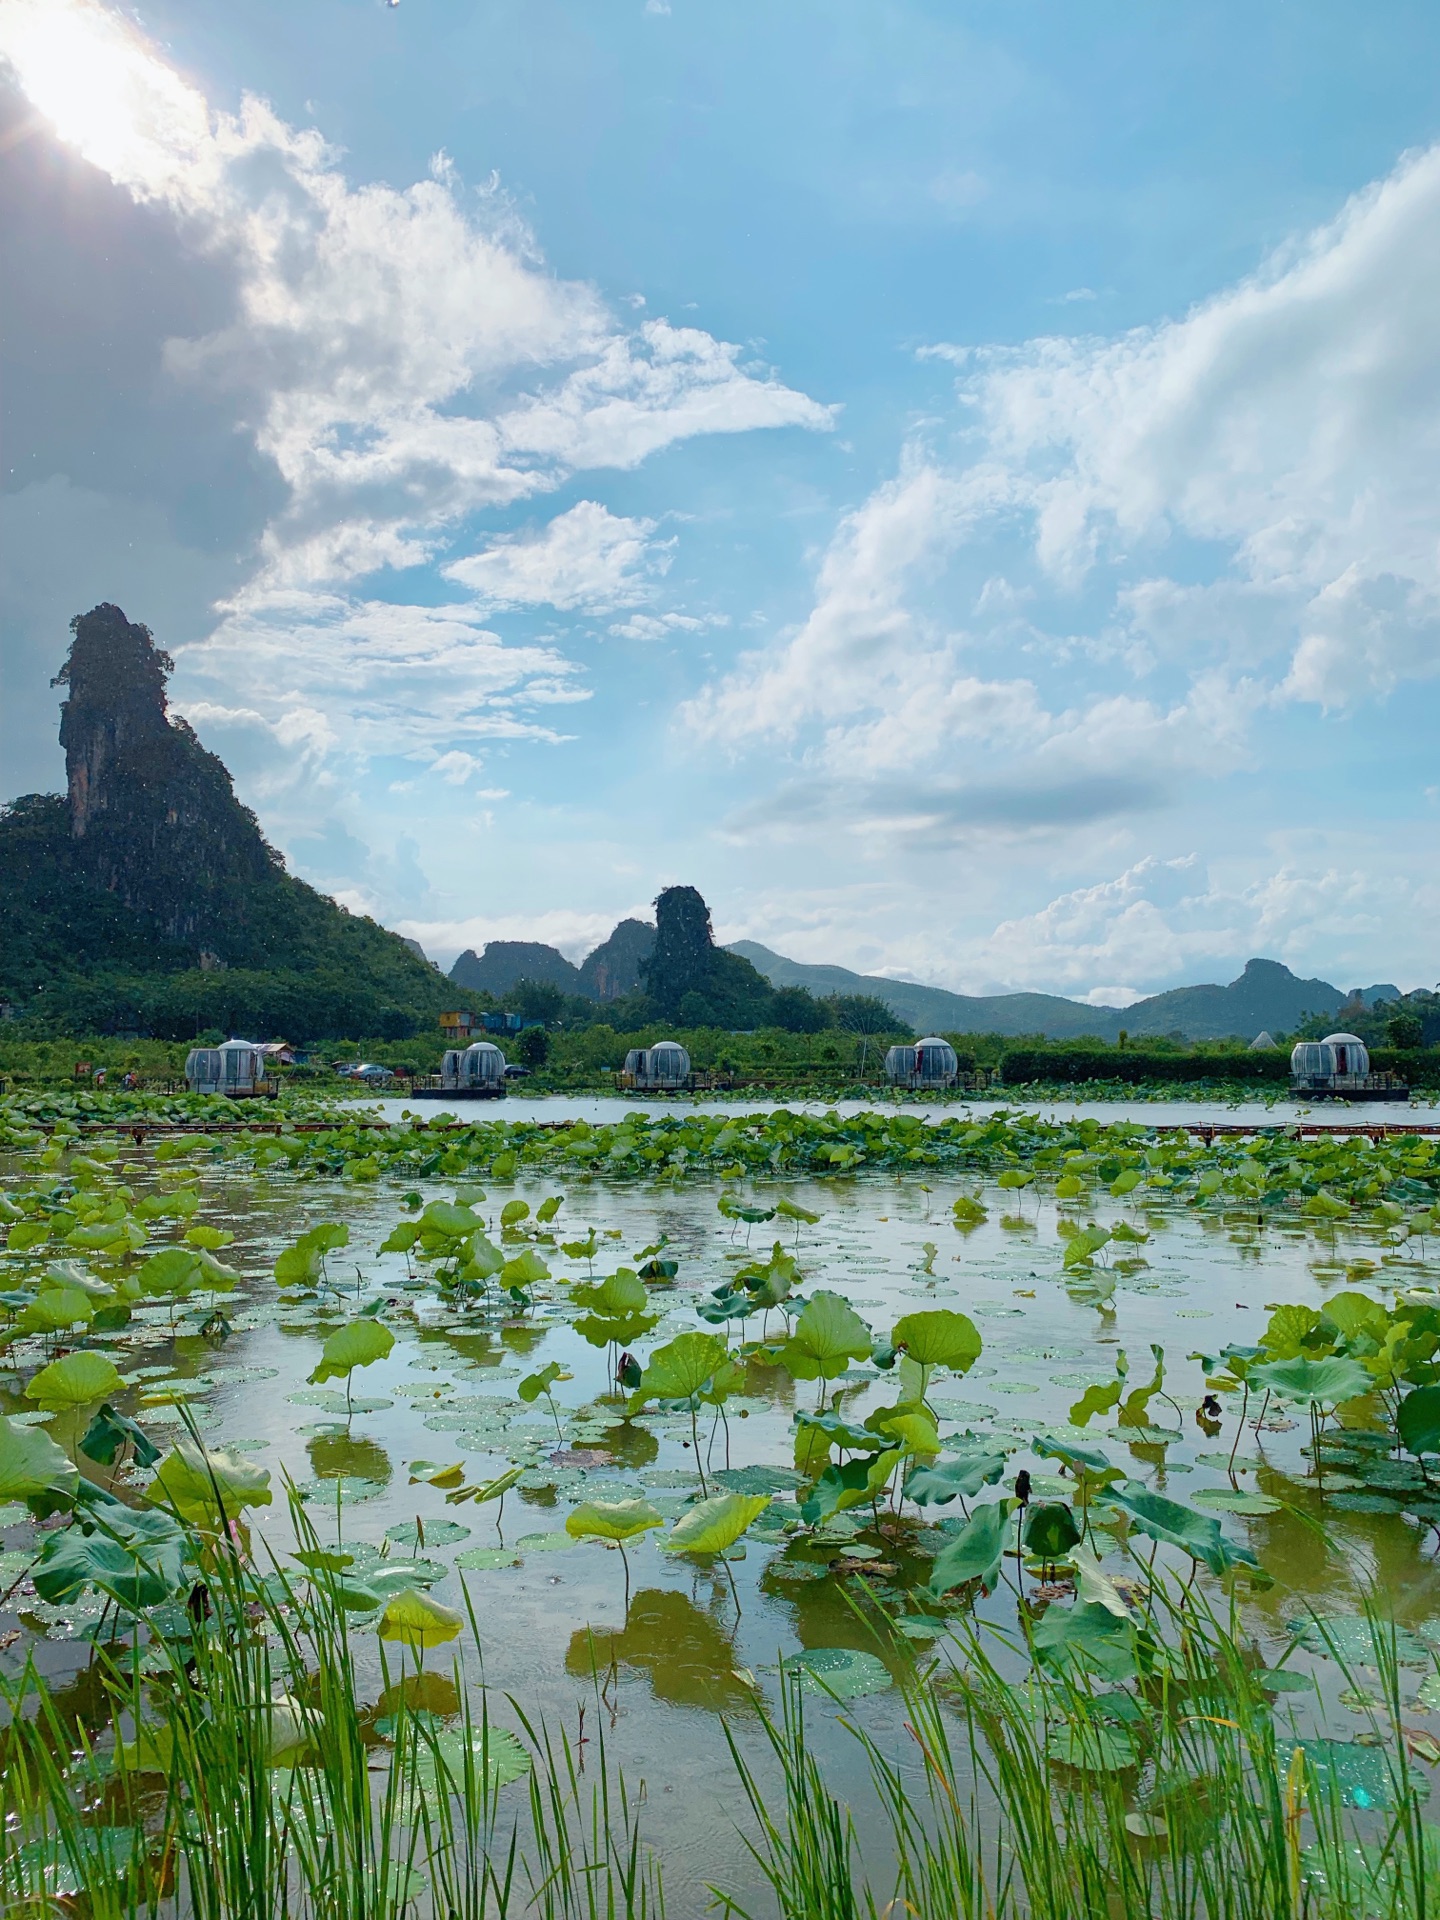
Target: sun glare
(105, 91)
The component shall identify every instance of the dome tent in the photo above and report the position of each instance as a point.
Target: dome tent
(237, 1068)
(928, 1063)
(478, 1068)
(1337, 1056)
(1263, 1042)
(663, 1068)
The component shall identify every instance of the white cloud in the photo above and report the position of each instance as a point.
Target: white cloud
(574, 932)
(650, 626)
(1293, 420)
(380, 677)
(587, 559)
(406, 360)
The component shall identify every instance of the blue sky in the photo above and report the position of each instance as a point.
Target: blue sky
(956, 483)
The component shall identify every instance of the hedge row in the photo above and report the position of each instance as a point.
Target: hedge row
(1066, 1066)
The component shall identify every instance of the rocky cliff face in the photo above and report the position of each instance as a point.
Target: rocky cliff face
(154, 815)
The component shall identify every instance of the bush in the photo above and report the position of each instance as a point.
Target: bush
(532, 1047)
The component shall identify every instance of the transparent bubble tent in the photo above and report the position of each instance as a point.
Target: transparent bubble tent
(1338, 1068)
(474, 1069)
(658, 1069)
(1337, 1056)
(236, 1068)
(929, 1063)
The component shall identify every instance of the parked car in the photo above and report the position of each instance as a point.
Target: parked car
(367, 1070)
(517, 1073)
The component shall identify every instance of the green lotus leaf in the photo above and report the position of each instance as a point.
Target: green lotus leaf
(76, 1381)
(173, 1271)
(712, 1525)
(31, 1464)
(976, 1551)
(854, 1484)
(1418, 1421)
(487, 1757)
(418, 1622)
(1093, 1746)
(1050, 1530)
(1318, 1383)
(451, 1222)
(959, 1476)
(1176, 1525)
(56, 1309)
(534, 1384)
(401, 1238)
(138, 1559)
(359, 1344)
(828, 1335)
(205, 1488)
(615, 1298)
(615, 1519)
(845, 1673)
(938, 1338)
(1086, 1638)
(109, 1432)
(681, 1367)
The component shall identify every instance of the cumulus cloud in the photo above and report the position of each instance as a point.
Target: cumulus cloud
(382, 677)
(587, 559)
(405, 360)
(1235, 507)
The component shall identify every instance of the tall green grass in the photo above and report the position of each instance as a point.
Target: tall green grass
(232, 1773)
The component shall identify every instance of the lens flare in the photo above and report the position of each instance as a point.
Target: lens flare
(108, 94)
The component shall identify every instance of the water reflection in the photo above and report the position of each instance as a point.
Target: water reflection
(337, 1456)
(687, 1655)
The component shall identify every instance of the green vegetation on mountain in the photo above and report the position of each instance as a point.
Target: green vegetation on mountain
(147, 899)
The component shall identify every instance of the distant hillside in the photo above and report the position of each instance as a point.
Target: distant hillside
(1267, 995)
(146, 898)
(504, 963)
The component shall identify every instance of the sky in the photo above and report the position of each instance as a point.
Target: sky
(957, 483)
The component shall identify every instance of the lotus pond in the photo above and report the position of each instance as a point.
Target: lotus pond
(786, 1463)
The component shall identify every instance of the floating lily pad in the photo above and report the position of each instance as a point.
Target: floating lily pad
(348, 1487)
(12, 1512)
(1348, 1638)
(1092, 1747)
(1226, 1500)
(476, 1558)
(553, 1542)
(1360, 1775)
(845, 1672)
(437, 1533)
(750, 1480)
(1347, 1502)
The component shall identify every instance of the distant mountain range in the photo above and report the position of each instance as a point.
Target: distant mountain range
(1267, 996)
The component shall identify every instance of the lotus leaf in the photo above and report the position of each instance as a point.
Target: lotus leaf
(1091, 1746)
(958, 1476)
(613, 1520)
(109, 1432)
(845, 1673)
(710, 1526)
(359, 1344)
(1317, 1383)
(1050, 1531)
(1094, 1587)
(854, 1484)
(138, 1559)
(31, 1464)
(939, 1338)
(450, 1222)
(976, 1551)
(680, 1369)
(1089, 1637)
(76, 1381)
(205, 1488)
(1418, 1421)
(534, 1384)
(485, 1757)
(419, 1622)
(56, 1309)
(828, 1335)
(1176, 1525)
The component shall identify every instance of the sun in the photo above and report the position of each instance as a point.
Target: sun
(105, 91)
